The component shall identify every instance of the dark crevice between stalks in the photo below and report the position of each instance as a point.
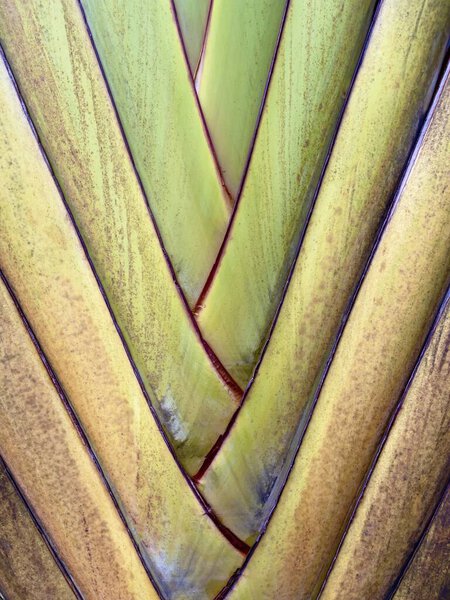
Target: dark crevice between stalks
(298, 438)
(79, 429)
(42, 532)
(409, 561)
(218, 444)
(234, 387)
(304, 422)
(203, 45)
(387, 430)
(211, 276)
(229, 196)
(415, 147)
(236, 542)
(222, 372)
(205, 506)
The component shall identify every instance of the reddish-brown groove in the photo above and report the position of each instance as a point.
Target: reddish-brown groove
(43, 534)
(439, 312)
(417, 546)
(205, 506)
(218, 444)
(389, 213)
(212, 453)
(205, 36)
(199, 304)
(223, 373)
(77, 425)
(234, 387)
(352, 512)
(298, 438)
(212, 148)
(236, 542)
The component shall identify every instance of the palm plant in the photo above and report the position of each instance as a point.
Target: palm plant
(225, 302)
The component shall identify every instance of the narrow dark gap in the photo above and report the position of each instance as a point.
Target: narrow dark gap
(218, 444)
(206, 508)
(43, 533)
(203, 45)
(408, 562)
(236, 542)
(199, 304)
(298, 438)
(392, 418)
(222, 372)
(212, 149)
(77, 426)
(234, 387)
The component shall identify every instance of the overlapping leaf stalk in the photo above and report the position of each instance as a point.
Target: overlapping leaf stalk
(200, 198)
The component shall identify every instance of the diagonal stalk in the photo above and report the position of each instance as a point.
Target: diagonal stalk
(398, 439)
(154, 93)
(104, 387)
(62, 494)
(219, 443)
(204, 41)
(285, 167)
(21, 509)
(427, 547)
(233, 75)
(212, 273)
(336, 246)
(114, 221)
(221, 371)
(323, 480)
(199, 106)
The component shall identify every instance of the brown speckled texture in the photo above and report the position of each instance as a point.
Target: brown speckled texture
(27, 567)
(405, 486)
(428, 575)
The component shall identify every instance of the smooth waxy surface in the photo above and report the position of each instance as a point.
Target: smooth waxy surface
(44, 262)
(428, 574)
(192, 17)
(27, 568)
(53, 468)
(405, 485)
(318, 52)
(376, 134)
(232, 76)
(153, 92)
(372, 362)
(57, 72)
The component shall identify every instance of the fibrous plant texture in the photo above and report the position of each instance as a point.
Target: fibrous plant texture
(224, 300)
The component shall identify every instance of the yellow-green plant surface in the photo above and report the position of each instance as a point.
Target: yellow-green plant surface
(76, 123)
(193, 19)
(317, 56)
(27, 567)
(233, 74)
(52, 466)
(155, 99)
(41, 254)
(364, 167)
(224, 299)
(374, 357)
(413, 465)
